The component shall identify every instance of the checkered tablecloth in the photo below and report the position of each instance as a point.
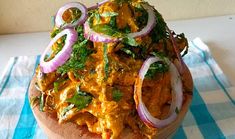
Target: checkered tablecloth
(211, 115)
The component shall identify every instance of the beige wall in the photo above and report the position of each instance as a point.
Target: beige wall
(34, 15)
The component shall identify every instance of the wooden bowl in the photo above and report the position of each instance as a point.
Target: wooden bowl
(49, 123)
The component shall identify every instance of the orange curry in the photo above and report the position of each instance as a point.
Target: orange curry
(99, 94)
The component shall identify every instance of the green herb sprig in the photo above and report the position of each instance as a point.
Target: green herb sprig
(157, 67)
(78, 58)
(79, 54)
(81, 99)
(106, 61)
(109, 14)
(109, 30)
(116, 94)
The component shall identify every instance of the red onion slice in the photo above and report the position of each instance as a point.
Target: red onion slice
(63, 55)
(177, 95)
(150, 24)
(59, 21)
(98, 37)
(98, 5)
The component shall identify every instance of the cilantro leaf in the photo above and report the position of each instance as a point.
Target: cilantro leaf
(109, 14)
(106, 29)
(56, 86)
(161, 55)
(130, 41)
(159, 31)
(106, 61)
(80, 99)
(79, 30)
(78, 58)
(55, 32)
(116, 94)
(109, 30)
(157, 67)
(177, 111)
(112, 22)
(97, 16)
(143, 18)
(128, 51)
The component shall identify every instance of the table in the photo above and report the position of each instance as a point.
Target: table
(217, 32)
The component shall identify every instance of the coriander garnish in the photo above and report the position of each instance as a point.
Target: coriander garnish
(81, 99)
(106, 61)
(116, 94)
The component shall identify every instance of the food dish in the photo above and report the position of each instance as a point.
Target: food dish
(114, 71)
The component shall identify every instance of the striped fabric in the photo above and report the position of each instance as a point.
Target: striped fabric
(211, 115)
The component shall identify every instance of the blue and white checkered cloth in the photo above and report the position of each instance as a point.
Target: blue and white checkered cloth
(211, 115)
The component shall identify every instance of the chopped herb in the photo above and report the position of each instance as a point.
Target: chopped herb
(41, 103)
(130, 41)
(55, 32)
(109, 14)
(106, 61)
(112, 22)
(80, 99)
(161, 55)
(106, 29)
(159, 31)
(60, 46)
(78, 58)
(127, 30)
(47, 57)
(128, 51)
(75, 14)
(143, 19)
(97, 16)
(157, 67)
(56, 86)
(116, 94)
(177, 110)
(78, 76)
(79, 30)
(91, 15)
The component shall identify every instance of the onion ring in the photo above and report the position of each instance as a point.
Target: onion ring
(177, 97)
(59, 21)
(63, 55)
(150, 24)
